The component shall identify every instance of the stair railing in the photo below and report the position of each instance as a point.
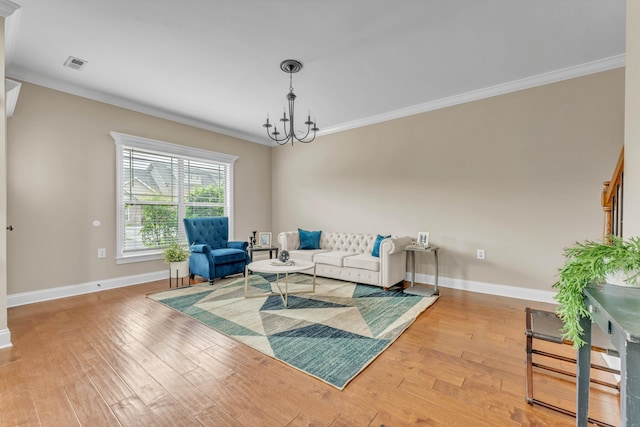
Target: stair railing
(612, 202)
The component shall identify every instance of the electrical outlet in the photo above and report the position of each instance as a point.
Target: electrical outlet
(480, 253)
(102, 252)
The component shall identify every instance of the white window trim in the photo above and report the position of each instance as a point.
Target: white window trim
(162, 147)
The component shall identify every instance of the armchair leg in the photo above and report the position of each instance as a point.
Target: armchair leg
(211, 282)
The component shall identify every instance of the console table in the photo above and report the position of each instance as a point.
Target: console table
(414, 290)
(615, 310)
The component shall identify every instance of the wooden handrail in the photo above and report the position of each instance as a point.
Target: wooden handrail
(611, 200)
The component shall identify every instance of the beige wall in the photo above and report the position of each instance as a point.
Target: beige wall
(61, 176)
(631, 226)
(518, 175)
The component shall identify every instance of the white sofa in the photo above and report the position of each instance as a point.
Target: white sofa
(347, 256)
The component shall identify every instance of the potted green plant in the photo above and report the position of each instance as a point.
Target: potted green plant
(589, 263)
(177, 256)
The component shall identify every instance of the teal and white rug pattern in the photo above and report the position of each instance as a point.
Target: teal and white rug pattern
(332, 334)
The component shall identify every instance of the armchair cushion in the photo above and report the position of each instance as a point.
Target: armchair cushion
(226, 256)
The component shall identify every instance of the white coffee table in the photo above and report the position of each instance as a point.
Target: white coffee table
(273, 266)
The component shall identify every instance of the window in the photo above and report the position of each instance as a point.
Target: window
(159, 184)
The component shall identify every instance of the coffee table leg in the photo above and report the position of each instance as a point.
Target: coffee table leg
(286, 290)
(314, 278)
(246, 280)
(284, 296)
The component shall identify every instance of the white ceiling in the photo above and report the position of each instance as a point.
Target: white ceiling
(215, 63)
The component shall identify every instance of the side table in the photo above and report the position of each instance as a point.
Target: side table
(252, 249)
(421, 290)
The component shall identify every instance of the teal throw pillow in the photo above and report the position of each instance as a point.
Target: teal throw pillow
(376, 246)
(309, 239)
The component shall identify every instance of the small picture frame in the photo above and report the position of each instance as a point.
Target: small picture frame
(423, 239)
(264, 239)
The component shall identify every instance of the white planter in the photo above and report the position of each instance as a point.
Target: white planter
(179, 269)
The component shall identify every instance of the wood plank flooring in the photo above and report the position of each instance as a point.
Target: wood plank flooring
(116, 358)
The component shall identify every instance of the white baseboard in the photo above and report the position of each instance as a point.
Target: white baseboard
(488, 288)
(23, 298)
(15, 300)
(5, 338)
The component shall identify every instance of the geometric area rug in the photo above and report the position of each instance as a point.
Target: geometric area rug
(332, 334)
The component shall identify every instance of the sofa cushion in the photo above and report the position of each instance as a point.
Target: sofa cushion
(309, 239)
(363, 262)
(332, 258)
(376, 246)
(225, 256)
(306, 254)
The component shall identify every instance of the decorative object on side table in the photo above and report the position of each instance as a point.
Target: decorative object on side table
(423, 239)
(177, 256)
(592, 263)
(264, 239)
(283, 259)
(252, 240)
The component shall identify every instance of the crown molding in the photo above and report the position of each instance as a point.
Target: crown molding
(593, 67)
(8, 7)
(12, 13)
(40, 80)
(12, 90)
(605, 64)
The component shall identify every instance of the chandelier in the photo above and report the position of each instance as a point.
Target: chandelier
(290, 66)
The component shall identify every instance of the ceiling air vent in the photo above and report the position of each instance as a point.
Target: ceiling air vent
(75, 63)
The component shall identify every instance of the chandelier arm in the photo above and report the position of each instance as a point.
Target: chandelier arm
(287, 132)
(274, 135)
(311, 140)
(278, 140)
(303, 139)
(305, 135)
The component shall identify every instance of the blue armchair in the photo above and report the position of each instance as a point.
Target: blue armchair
(212, 254)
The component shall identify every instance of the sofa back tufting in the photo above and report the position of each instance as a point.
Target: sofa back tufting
(347, 242)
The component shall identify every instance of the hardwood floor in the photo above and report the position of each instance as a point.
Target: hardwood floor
(118, 358)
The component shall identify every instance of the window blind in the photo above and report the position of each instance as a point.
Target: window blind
(159, 184)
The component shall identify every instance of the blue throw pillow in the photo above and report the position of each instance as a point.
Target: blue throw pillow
(309, 239)
(376, 246)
